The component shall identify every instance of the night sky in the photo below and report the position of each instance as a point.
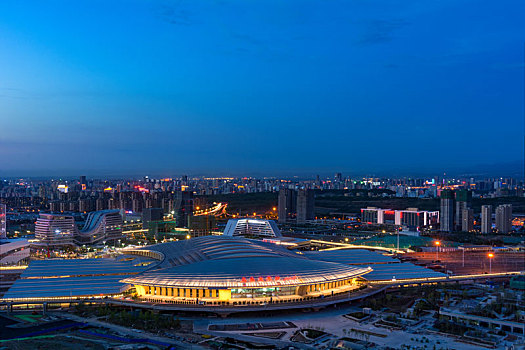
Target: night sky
(261, 87)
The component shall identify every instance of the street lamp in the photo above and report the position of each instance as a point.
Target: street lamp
(491, 256)
(437, 243)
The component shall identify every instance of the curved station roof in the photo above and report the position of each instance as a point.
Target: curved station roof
(230, 262)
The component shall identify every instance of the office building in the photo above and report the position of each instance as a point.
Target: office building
(373, 215)
(447, 210)
(413, 218)
(486, 219)
(305, 206)
(57, 230)
(504, 218)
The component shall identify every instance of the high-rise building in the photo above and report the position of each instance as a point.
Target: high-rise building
(463, 201)
(84, 205)
(3, 221)
(305, 205)
(467, 223)
(447, 210)
(183, 207)
(504, 218)
(83, 182)
(100, 204)
(287, 205)
(486, 219)
(136, 205)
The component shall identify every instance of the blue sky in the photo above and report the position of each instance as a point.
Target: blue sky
(260, 87)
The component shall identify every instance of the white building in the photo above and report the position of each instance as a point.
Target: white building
(258, 228)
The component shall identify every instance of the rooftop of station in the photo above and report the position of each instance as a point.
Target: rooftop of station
(351, 256)
(207, 262)
(76, 277)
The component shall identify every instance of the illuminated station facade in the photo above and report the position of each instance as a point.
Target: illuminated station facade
(221, 270)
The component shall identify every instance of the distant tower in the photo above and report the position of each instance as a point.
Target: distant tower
(504, 218)
(463, 201)
(305, 206)
(83, 182)
(3, 221)
(447, 210)
(287, 205)
(486, 219)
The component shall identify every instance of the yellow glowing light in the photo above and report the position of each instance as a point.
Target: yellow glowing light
(188, 236)
(491, 255)
(437, 243)
(274, 208)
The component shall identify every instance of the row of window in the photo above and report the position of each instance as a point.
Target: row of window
(325, 286)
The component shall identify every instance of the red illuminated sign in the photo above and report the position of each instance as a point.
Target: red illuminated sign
(268, 279)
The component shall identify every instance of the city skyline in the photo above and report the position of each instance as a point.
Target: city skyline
(219, 174)
(498, 170)
(229, 88)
